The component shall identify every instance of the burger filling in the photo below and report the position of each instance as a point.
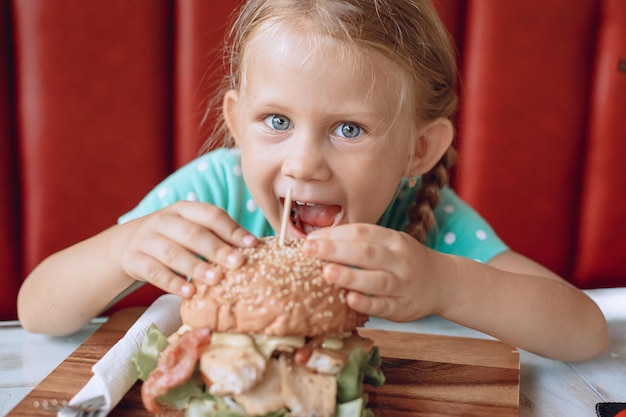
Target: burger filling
(256, 375)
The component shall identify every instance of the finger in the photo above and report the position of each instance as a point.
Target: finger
(375, 282)
(352, 231)
(192, 238)
(384, 307)
(218, 221)
(179, 259)
(358, 253)
(146, 268)
(211, 233)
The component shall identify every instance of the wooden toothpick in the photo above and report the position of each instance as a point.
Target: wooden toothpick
(285, 219)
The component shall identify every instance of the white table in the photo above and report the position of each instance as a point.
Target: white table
(547, 387)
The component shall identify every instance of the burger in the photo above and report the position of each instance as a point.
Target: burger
(273, 338)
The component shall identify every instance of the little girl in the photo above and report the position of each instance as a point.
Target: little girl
(348, 103)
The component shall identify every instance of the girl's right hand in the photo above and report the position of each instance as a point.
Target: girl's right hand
(175, 242)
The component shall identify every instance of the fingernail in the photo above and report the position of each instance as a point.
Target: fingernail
(186, 290)
(211, 276)
(233, 259)
(309, 246)
(249, 240)
(331, 273)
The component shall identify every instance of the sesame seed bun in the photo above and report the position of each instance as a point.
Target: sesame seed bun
(279, 291)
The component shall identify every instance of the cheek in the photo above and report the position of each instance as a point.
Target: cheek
(258, 163)
(372, 191)
(254, 176)
(248, 170)
(388, 176)
(257, 174)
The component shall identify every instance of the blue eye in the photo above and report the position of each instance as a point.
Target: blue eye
(278, 122)
(348, 130)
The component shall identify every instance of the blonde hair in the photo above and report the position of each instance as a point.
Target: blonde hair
(407, 32)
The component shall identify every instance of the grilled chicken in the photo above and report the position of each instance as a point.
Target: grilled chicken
(305, 393)
(266, 396)
(232, 369)
(326, 361)
(331, 361)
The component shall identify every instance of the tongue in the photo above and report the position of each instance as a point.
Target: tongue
(317, 215)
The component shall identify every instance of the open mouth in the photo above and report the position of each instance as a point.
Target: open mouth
(307, 217)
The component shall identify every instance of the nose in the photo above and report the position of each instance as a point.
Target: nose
(306, 158)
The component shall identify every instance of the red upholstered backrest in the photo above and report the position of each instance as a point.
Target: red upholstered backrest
(100, 100)
(601, 245)
(542, 124)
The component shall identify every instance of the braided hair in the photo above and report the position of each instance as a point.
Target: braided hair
(421, 213)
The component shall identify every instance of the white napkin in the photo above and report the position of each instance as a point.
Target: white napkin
(114, 374)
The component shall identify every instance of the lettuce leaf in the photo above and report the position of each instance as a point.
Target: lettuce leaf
(362, 367)
(181, 396)
(146, 359)
(354, 408)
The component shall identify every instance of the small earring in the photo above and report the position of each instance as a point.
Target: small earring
(412, 182)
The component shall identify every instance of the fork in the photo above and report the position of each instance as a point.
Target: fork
(93, 407)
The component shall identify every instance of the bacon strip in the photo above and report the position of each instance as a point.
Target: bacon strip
(303, 354)
(176, 364)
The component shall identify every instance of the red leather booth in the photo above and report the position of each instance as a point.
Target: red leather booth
(100, 100)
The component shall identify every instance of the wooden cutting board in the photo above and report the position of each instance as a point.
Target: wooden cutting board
(427, 375)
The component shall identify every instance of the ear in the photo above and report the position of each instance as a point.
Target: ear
(432, 142)
(230, 109)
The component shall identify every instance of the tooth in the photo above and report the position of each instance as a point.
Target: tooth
(302, 203)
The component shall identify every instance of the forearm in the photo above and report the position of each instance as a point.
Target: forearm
(530, 308)
(69, 288)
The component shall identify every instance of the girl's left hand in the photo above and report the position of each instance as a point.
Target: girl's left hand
(389, 273)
